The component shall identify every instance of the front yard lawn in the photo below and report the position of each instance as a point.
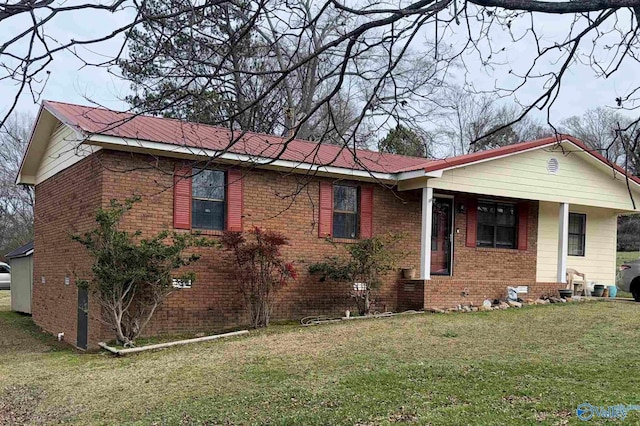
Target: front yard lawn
(522, 366)
(622, 257)
(626, 256)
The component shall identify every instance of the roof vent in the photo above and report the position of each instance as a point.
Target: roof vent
(553, 165)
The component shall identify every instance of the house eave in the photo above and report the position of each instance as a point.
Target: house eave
(187, 152)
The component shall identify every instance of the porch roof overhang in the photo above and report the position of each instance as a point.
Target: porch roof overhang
(592, 180)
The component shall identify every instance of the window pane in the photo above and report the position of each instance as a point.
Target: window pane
(485, 236)
(505, 237)
(506, 215)
(208, 184)
(576, 247)
(207, 214)
(4, 270)
(486, 213)
(576, 223)
(345, 198)
(345, 225)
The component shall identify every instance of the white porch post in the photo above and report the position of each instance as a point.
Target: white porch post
(563, 242)
(425, 234)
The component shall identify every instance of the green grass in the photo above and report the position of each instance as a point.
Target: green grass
(524, 366)
(626, 256)
(622, 257)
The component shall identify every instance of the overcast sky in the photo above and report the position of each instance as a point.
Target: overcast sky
(70, 82)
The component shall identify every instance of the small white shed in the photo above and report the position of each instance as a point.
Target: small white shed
(21, 261)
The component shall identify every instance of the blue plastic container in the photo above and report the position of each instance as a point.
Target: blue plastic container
(613, 290)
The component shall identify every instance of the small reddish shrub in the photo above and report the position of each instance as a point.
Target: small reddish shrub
(260, 269)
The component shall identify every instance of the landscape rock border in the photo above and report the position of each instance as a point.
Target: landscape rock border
(496, 304)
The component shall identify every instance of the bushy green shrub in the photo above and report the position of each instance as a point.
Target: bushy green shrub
(363, 267)
(133, 276)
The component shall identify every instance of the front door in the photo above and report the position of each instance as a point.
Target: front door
(441, 236)
(83, 318)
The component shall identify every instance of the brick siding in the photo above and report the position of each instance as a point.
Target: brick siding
(284, 202)
(65, 205)
(479, 273)
(214, 303)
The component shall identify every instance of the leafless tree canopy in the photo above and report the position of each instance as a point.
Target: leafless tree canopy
(332, 70)
(16, 203)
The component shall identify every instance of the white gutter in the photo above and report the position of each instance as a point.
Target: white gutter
(106, 141)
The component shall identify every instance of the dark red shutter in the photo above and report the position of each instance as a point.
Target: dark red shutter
(325, 217)
(523, 225)
(182, 198)
(234, 200)
(472, 222)
(366, 212)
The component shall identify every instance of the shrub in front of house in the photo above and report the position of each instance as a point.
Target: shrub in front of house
(259, 269)
(133, 276)
(361, 268)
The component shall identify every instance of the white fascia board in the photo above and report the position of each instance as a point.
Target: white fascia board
(263, 162)
(25, 180)
(418, 174)
(28, 179)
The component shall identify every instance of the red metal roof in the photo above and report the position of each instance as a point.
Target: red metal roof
(520, 147)
(102, 121)
(95, 120)
(474, 157)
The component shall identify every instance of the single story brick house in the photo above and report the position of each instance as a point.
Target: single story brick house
(473, 224)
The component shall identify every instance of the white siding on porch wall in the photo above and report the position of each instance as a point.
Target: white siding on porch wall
(599, 261)
(525, 176)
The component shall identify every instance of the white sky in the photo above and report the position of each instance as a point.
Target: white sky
(69, 82)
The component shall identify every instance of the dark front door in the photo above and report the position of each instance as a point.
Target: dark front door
(83, 318)
(441, 236)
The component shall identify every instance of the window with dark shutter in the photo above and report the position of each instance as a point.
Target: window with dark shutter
(497, 225)
(577, 234)
(208, 199)
(345, 211)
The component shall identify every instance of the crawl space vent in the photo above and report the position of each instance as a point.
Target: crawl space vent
(553, 166)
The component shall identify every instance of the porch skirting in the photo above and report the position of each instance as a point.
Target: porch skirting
(446, 292)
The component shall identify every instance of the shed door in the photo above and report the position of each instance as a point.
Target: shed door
(83, 318)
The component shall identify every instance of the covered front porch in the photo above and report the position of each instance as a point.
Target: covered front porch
(475, 246)
(493, 225)
(521, 218)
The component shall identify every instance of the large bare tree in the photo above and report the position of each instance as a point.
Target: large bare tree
(597, 128)
(470, 122)
(16, 203)
(385, 58)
